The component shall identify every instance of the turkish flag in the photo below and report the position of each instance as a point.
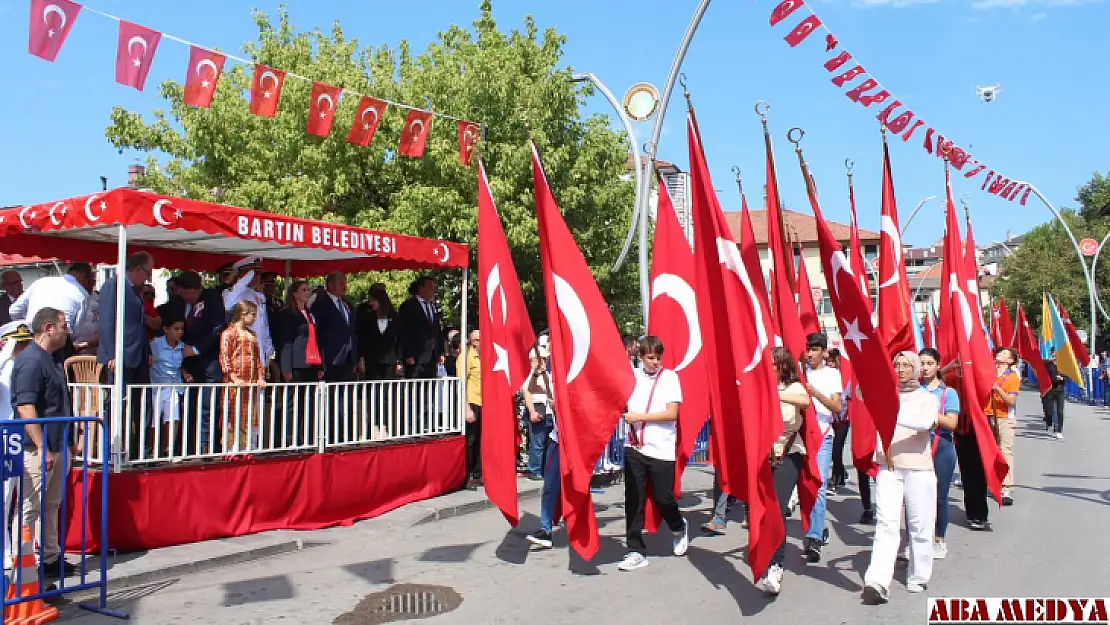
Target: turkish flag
(971, 274)
(674, 319)
(895, 324)
(469, 133)
(862, 430)
(1002, 327)
(957, 329)
(414, 136)
(742, 385)
(1026, 345)
(50, 23)
(134, 53)
(788, 325)
(205, 69)
(367, 118)
(321, 108)
(506, 338)
(877, 386)
(1077, 346)
(589, 368)
(807, 310)
(266, 90)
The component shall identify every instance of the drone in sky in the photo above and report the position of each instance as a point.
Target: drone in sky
(987, 94)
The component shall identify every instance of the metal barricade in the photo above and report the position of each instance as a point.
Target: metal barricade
(23, 473)
(357, 413)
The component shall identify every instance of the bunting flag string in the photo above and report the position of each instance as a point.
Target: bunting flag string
(868, 91)
(52, 20)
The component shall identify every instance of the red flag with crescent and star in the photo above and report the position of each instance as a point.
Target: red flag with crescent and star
(895, 325)
(1002, 327)
(414, 136)
(205, 69)
(505, 338)
(1025, 342)
(788, 324)
(957, 329)
(862, 429)
(51, 21)
(737, 341)
(590, 372)
(321, 108)
(266, 90)
(469, 133)
(134, 53)
(876, 386)
(674, 319)
(1077, 347)
(367, 118)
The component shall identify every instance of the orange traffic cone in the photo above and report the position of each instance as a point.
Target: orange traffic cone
(33, 612)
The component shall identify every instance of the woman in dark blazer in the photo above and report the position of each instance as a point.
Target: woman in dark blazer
(376, 326)
(296, 325)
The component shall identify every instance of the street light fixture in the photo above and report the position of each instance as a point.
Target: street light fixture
(906, 225)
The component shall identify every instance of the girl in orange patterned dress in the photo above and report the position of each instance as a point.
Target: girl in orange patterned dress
(241, 363)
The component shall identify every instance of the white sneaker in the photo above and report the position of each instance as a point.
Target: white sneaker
(1059, 436)
(682, 539)
(940, 550)
(793, 503)
(771, 583)
(634, 560)
(914, 587)
(904, 555)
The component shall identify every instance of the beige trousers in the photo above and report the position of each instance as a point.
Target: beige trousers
(1006, 429)
(33, 484)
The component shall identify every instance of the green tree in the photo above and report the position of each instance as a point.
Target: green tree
(513, 82)
(1046, 260)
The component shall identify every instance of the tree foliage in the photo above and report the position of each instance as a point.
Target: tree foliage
(1046, 260)
(512, 82)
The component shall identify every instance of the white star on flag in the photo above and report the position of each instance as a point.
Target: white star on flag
(852, 332)
(177, 214)
(50, 33)
(138, 63)
(204, 83)
(266, 94)
(323, 115)
(502, 362)
(366, 127)
(103, 205)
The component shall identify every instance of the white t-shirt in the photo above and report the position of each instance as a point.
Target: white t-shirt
(660, 438)
(828, 382)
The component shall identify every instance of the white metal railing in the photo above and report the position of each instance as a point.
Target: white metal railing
(173, 423)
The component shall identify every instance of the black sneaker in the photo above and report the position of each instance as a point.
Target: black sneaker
(51, 570)
(812, 550)
(867, 518)
(825, 537)
(977, 525)
(540, 539)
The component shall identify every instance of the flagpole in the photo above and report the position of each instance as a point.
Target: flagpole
(774, 181)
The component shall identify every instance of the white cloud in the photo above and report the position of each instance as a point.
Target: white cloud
(1017, 4)
(891, 3)
(1038, 17)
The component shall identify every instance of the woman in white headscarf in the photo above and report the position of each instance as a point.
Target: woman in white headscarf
(906, 477)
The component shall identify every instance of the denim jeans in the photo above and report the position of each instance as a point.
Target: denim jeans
(722, 502)
(538, 445)
(824, 464)
(552, 486)
(944, 462)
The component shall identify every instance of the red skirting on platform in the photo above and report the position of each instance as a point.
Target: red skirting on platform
(173, 506)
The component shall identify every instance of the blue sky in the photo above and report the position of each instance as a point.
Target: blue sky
(1049, 125)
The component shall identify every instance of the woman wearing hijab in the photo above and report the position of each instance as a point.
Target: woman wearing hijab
(906, 477)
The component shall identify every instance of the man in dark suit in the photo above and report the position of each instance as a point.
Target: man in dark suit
(133, 365)
(203, 311)
(421, 332)
(335, 326)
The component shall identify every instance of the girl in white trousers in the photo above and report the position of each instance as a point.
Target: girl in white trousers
(906, 476)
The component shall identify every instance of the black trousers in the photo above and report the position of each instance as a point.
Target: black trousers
(474, 444)
(973, 476)
(420, 371)
(840, 436)
(1053, 404)
(786, 478)
(300, 405)
(638, 468)
(864, 489)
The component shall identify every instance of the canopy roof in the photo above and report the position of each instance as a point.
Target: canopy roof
(187, 234)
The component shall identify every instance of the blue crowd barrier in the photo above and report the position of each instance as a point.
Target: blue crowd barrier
(612, 459)
(13, 468)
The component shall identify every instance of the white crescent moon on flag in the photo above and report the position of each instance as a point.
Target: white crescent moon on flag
(680, 291)
(888, 228)
(574, 312)
(369, 109)
(443, 251)
(267, 74)
(139, 40)
(207, 63)
(53, 218)
(157, 212)
(493, 285)
(88, 209)
(417, 128)
(729, 256)
(325, 97)
(23, 217)
(965, 308)
(56, 10)
(839, 263)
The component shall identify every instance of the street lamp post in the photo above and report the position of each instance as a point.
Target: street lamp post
(1094, 266)
(906, 225)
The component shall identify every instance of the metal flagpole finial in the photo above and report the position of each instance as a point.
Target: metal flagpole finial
(849, 164)
(739, 179)
(797, 142)
(761, 108)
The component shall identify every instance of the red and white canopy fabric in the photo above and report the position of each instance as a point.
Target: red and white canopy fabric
(187, 234)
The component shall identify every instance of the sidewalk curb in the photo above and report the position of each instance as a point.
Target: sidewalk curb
(452, 511)
(126, 582)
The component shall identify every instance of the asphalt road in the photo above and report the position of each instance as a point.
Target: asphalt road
(1052, 542)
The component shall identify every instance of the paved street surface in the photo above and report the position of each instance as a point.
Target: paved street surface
(1052, 542)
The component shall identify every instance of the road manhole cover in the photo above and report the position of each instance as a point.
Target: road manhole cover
(402, 602)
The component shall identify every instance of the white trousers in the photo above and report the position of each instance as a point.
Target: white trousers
(918, 490)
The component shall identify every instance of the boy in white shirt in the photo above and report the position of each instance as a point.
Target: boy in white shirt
(650, 452)
(825, 387)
